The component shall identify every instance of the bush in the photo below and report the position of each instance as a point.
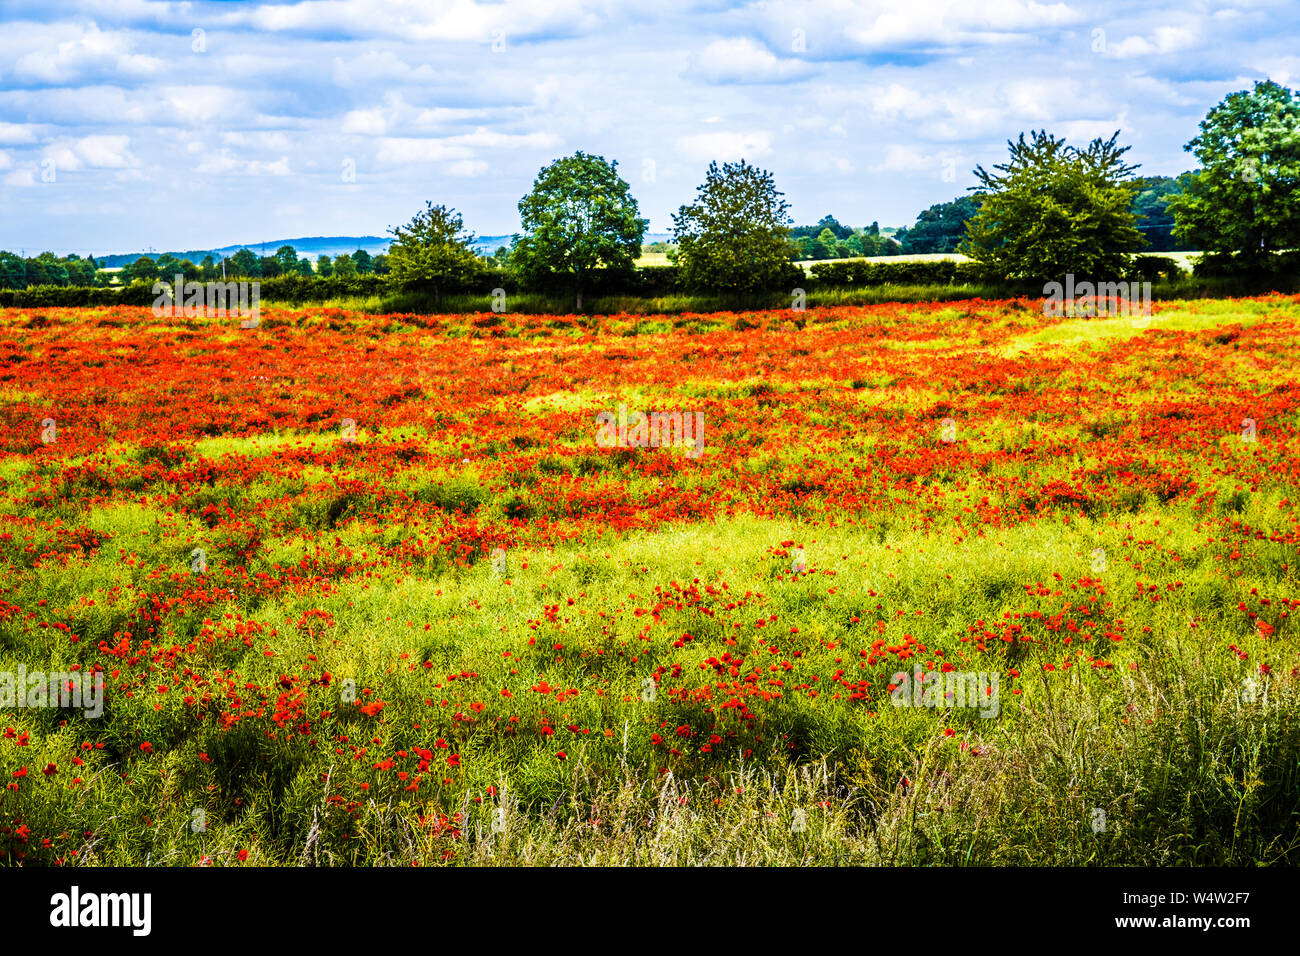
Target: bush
(1155, 268)
(868, 273)
(1284, 265)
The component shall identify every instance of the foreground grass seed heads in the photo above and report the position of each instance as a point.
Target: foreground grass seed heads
(944, 583)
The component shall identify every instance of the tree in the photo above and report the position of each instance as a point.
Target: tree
(940, 228)
(365, 265)
(143, 269)
(735, 237)
(432, 252)
(208, 268)
(246, 263)
(1246, 196)
(303, 267)
(1055, 210)
(13, 271)
(344, 267)
(826, 245)
(324, 267)
(580, 215)
(81, 272)
(286, 258)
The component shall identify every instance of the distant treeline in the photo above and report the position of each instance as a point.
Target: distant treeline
(649, 282)
(48, 269)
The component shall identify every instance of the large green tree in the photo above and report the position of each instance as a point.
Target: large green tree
(432, 252)
(1246, 196)
(1055, 209)
(735, 237)
(579, 216)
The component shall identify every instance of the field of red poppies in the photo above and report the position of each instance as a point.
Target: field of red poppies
(375, 589)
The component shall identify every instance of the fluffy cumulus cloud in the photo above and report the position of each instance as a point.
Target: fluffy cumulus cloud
(744, 60)
(91, 152)
(215, 122)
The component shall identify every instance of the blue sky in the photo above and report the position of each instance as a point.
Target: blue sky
(126, 124)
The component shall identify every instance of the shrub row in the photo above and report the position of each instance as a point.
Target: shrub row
(662, 281)
(1274, 265)
(867, 272)
(946, 271)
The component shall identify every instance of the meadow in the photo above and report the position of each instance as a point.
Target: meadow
(368, 590)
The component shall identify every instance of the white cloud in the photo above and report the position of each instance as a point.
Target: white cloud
(14, 133)
(406, 149)
(899, 158)
(223, 162)
(423, 20)
(468, 168)
(88, 50)
(898, 101)
(704, 147)
(1163, 40)
(494, 140)
(374, 67)
(402, 150)
(105, 152)
(20, 177)
(273, 140)
(278, 168)
(91, 152)
(742, 60)
(938, 24)
(365, 123)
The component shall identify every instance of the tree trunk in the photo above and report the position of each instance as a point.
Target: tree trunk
(579, 306)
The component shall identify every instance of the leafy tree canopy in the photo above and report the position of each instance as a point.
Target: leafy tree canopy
(580, 215)
(735, 237)
(1246, 196)
(433, 252)
(1055, 209)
